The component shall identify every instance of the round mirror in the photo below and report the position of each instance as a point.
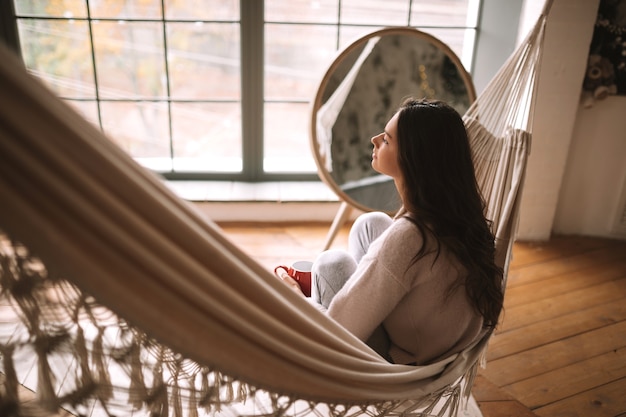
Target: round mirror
(358, 94)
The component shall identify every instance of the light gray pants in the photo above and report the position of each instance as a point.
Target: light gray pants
(332, 268)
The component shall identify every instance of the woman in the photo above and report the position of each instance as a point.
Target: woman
(423, 285)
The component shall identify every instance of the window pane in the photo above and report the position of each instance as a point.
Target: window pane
(125, 9)
(439, 13)
(87, 109)
(388, 13)
(287, 143)
(207, 137)
(202, 9)
(302, 11)
(59, 53)
(51, 8)
(349, 34)
(130, 59)
(203, 60)
(296, 57)
(141, 129)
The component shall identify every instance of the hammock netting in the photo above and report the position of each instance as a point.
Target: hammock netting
(120, 299)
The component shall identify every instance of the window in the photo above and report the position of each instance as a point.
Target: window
(214, 89)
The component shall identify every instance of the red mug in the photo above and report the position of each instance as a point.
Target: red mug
(301, 272)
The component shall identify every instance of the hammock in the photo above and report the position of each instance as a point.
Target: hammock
(117, 298)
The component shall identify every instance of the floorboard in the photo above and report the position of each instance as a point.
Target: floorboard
(571, 380)
(603, 401)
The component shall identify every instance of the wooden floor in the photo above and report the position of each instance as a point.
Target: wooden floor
(561, 347)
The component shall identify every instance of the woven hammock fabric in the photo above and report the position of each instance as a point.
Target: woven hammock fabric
(123, 299)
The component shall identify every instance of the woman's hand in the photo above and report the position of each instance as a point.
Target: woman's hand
(290, 282)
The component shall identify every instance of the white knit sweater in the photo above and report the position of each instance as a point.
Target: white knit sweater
(408, 298)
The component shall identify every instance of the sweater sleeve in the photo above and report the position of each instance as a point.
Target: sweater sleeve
(380, 281)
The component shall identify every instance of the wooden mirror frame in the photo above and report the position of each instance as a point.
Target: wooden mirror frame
(350, 53)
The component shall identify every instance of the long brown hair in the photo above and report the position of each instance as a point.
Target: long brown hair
(441, 195)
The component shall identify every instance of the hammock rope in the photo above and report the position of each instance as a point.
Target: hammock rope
(117, 298)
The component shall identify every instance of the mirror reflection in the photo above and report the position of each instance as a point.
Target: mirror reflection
(360, 92)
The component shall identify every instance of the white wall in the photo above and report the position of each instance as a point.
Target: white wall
(590, 200)
(565, 48)
(577, 170)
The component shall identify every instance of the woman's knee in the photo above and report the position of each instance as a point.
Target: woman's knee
(331, 263)
(375, 221)
(329, 273)
(366, 228)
